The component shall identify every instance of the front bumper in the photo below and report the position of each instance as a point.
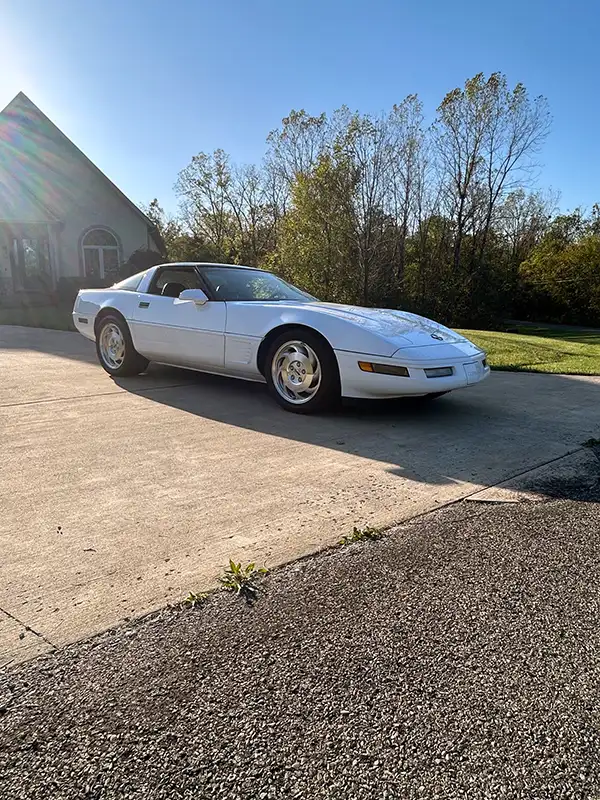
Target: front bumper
(466, 371)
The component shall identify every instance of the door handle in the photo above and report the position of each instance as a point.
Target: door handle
(144, 304)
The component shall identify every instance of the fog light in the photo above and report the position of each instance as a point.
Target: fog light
(439, 372)
(383, 369)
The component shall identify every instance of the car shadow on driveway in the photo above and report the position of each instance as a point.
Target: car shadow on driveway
(486, 434)
(483, 435)
(64, 344)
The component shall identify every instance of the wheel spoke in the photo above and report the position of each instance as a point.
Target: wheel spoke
(296, 372)
(112, 346)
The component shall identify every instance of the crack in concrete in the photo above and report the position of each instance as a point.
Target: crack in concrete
(88, 396)
(28, 628)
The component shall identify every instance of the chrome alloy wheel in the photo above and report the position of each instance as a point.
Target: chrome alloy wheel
(112, 346)
(296, 372)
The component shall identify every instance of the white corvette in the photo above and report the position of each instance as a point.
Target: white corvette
(248, 323)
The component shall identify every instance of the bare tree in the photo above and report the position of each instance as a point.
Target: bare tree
(515, 130)
(407, 171)
(522, 219)
(485, 137)
(250, 201)
(295, 148)
(204, 187)
(233, 208)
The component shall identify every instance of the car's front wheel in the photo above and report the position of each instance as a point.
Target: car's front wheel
(302, 372)
(115, 349)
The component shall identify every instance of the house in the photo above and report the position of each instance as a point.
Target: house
(60, 216)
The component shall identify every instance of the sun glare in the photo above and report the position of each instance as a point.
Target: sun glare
(17, 74)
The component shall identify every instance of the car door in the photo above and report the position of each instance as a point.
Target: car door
(180, 332)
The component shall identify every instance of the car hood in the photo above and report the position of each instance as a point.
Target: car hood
(399, 327)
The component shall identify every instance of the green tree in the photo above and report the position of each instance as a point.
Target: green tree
(181, 244)
(561, 277)
(315, 248)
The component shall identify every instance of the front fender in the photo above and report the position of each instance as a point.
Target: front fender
(257, 321)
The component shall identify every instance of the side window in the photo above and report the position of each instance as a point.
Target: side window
(175, 280)
(130, 284)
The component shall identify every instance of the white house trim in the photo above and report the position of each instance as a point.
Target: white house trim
(100, 249)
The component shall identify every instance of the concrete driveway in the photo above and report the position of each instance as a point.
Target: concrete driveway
(118, 497)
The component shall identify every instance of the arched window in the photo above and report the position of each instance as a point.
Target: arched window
(100, 254)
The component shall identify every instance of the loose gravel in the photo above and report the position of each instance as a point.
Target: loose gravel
(457, 657)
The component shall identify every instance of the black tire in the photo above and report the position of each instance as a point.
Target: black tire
(132, 362)
(327, 395)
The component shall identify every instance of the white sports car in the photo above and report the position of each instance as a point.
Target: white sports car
(248, 323)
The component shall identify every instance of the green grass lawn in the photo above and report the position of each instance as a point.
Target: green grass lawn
(566, 351)
(42, 317)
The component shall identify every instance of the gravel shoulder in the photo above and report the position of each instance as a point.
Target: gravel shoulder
(456, 657)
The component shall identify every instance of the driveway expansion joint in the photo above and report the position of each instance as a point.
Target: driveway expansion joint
(119, 391)
(28, 628)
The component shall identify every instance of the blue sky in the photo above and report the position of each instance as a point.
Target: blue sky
(141, 86)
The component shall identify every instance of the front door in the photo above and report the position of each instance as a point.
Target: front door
(175, 331)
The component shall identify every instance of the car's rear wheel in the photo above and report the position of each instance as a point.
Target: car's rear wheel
(115, 349)
(302, 372)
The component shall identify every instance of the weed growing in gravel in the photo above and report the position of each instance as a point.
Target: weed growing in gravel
(194, 599)
(243, 580)
(591, 443)
(361, 535)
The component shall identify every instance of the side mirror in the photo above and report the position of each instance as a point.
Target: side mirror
(195, 295)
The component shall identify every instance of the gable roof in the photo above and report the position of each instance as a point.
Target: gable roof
(22, 111)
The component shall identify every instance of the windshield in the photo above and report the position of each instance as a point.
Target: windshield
(250, 284)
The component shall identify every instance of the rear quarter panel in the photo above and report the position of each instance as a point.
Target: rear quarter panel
(90, 302)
